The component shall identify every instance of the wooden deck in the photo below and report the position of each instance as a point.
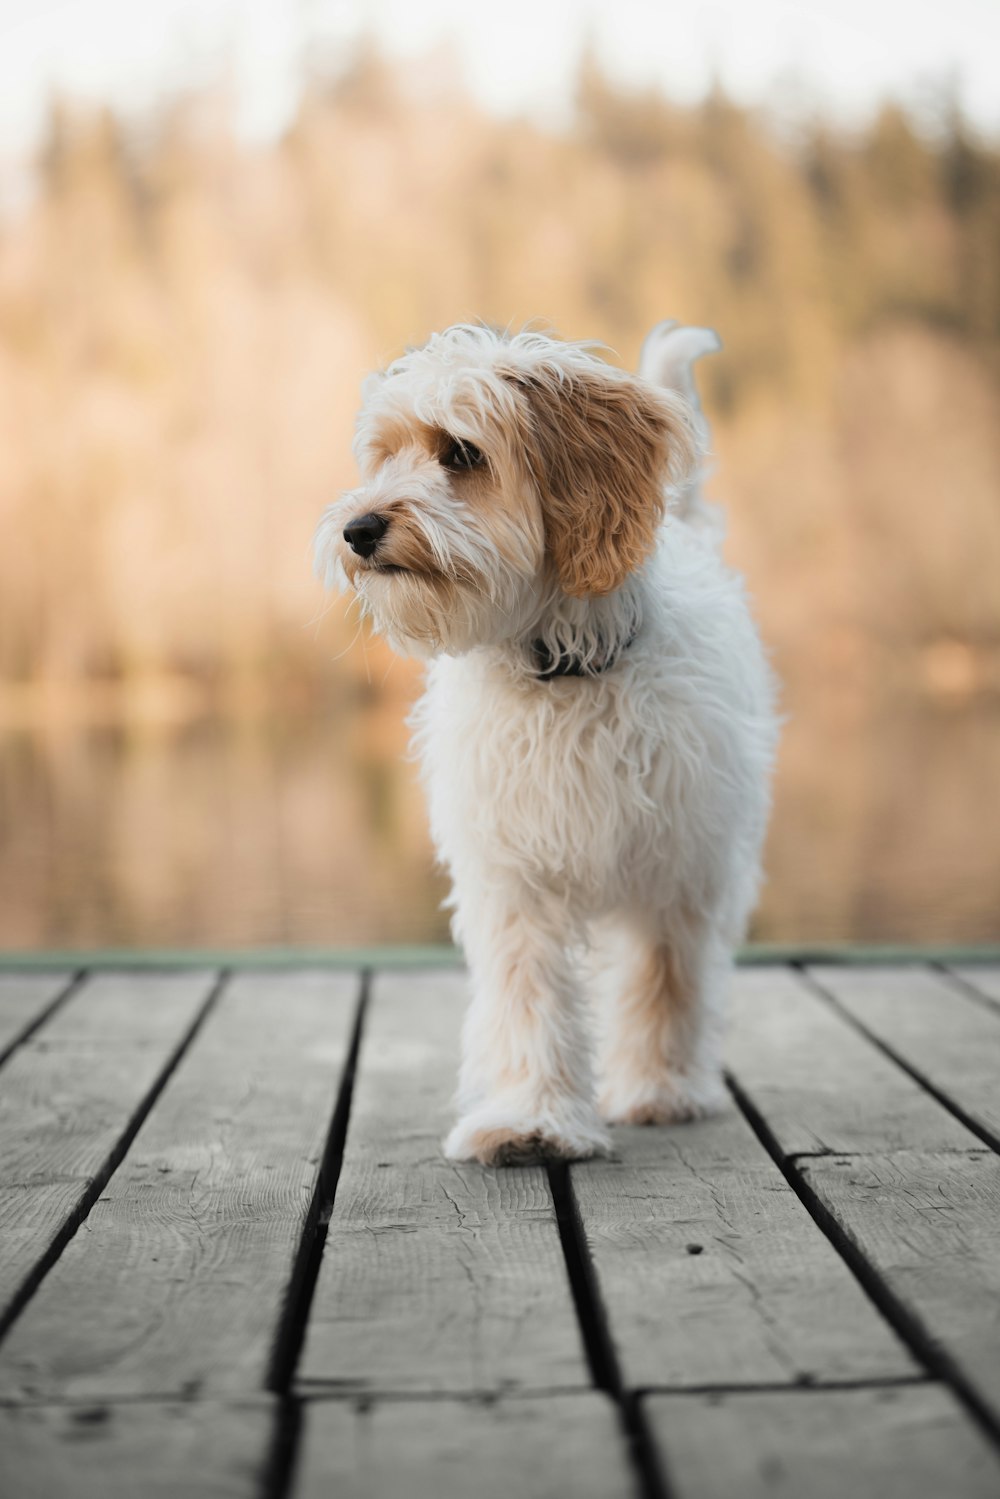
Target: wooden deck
(235, 1264)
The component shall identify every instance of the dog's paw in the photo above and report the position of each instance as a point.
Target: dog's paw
(494, 1138)
(667, 1100)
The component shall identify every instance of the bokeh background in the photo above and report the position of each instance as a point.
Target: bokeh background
(214, 219)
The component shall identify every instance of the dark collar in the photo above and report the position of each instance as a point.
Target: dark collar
(566, 664)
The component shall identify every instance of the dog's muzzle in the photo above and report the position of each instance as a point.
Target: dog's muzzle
(364, 533)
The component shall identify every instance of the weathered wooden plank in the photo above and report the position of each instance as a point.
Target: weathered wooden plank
(160, 1451)
(177, 1282)
(927, 1225)
(930, 1024)
(922, 1219)
(983, 977)
(70, 1094)
(713, 1273)
(913, 1442)
(820, 1085)
(435, 1277)
(568, 1445)
(24, 998)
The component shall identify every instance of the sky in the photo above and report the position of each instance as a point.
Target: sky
(518, 56)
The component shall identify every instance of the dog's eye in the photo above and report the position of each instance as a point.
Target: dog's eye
(459, 455)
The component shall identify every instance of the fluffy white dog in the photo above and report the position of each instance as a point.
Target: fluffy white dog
(598, 727)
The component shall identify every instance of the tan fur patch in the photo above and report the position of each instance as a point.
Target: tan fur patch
(395, 432)
(657, 997)
(508, 509)
(405, 543)
(508, 1146)
(496, 495)
(600, 448)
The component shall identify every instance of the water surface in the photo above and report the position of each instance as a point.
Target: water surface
(311, 830)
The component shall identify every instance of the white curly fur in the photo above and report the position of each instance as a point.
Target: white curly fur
(623, 810)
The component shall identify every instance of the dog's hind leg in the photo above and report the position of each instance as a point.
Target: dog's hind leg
(661, 1059)
(526, 1087)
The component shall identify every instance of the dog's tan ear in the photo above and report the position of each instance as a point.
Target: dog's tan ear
(600, 447)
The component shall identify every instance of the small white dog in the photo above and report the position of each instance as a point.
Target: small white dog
(598, 726)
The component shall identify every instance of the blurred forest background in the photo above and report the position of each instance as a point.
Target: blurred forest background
(196, 748)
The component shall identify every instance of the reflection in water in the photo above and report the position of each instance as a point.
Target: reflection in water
(219, 835)
(887, 828)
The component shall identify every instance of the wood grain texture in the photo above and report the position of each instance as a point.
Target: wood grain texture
(983, 977)
(913, 1191)
(942, 1033)
(820, 1085)
(176, 1282)
(713, 1273)
(908, 1443)
(566, 1446)
(928, 1226)
(69, 1094)
(435, 1277)
(440, 1282)
(24, 997)
(159, 1451)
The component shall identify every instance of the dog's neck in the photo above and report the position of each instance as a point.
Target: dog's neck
(581, 637)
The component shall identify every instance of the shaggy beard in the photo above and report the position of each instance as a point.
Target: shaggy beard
(474, 599)
(424, 616)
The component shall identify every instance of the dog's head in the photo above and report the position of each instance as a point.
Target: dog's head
(494, 471)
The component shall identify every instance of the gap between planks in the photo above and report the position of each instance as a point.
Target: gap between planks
(302, 1287)
(980, 981)
(102, 1176)
(38, 1007)
(827, 992)
(331, 1394)
(913, 1442)
(595, 1331)
(905, 1322)
(247, 1114)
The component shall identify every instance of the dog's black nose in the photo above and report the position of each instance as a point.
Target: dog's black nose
(364, 534)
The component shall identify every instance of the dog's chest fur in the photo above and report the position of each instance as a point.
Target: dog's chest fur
(519, 772)
(607, 786)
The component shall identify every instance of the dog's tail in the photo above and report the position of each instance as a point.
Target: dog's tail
(667, 359)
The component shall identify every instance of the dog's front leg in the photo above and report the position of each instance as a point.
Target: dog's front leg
(526, 1090)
